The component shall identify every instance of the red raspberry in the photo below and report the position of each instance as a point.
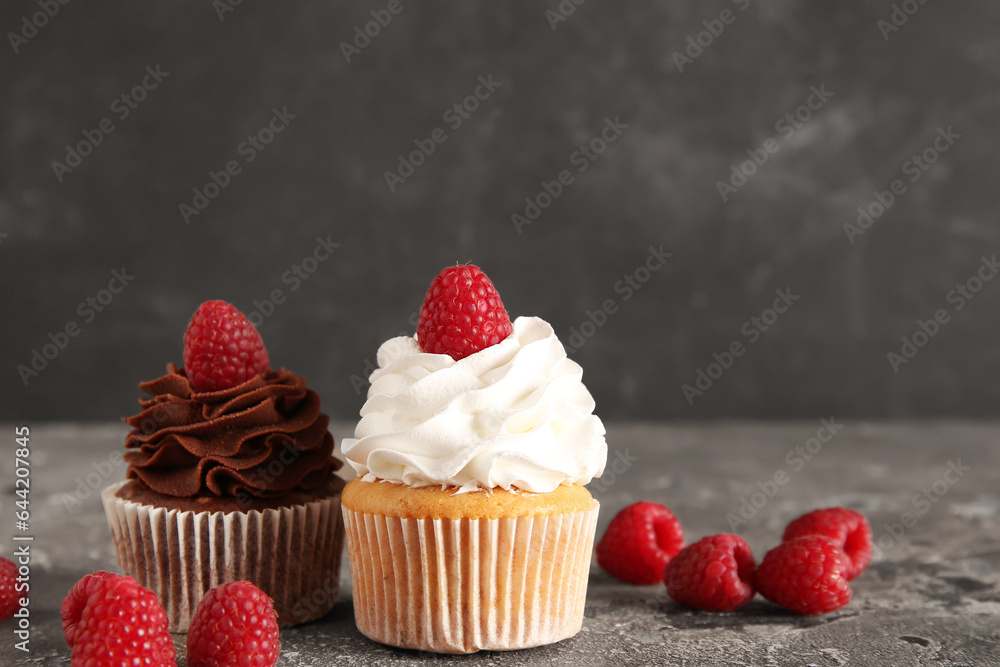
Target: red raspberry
(76, 600)
(234, 625)
(10, 597)
(119, 623)
(462, 313)
(845, 527)
(221, 348)
(805, 575)
(715, 573)
(639, 543)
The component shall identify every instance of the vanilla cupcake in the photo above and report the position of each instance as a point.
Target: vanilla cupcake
(230, 478)
(469, 526)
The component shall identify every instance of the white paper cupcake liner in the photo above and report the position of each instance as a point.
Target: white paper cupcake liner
(464, 585)
(292, 554)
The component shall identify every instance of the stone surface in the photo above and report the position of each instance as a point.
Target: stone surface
(931, 597)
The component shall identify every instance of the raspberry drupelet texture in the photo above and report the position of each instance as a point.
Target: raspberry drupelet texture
(462, 313)
(10, 598)
(222, 348)
(805, 575)
(715, 574)
(846, 527)
(118, 623)
(639, 543)
(234, 625)
(76, 600)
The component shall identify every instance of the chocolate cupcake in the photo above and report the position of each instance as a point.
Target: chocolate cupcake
(235, 483)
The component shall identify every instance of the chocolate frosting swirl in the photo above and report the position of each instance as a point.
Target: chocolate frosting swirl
(262, 438)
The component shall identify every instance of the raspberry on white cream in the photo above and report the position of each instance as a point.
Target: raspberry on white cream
(515, 415)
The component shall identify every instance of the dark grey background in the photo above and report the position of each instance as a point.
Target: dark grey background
(324, 176)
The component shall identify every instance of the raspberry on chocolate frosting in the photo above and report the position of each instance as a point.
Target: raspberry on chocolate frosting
(264, 438)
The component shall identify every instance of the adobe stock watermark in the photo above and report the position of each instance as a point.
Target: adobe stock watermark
(562, 12)
(581, 158)
(361, 383)
(223, 7)
(122, 107)
(625, 288)
(363, 35)
(293, 278)
(101, 471)
(752, 330)
(957, 298)
(31, 24)
(454, 116)
(264, 476)
(898, 17)
(787, 125)
(88, 310)
(618, 465)
(697, 43)
(319, 598)
(796, 459)
(914, 168)
(96, 479)
(248, 149)
(922, 502)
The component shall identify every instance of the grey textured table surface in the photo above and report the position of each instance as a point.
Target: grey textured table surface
(931, 596)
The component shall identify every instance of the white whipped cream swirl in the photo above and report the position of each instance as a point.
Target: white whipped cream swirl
(514, 415)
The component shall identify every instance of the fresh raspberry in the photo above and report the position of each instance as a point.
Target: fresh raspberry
(462, 313)
(234, 625)
(120, 623)
(805, 575)
(845, 527)
(10, 597)
(76, 600)
(715, 573)
(221, 348)
(639, 543)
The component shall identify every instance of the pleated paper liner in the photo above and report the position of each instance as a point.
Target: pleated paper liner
(464, 585)
(291, 553)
